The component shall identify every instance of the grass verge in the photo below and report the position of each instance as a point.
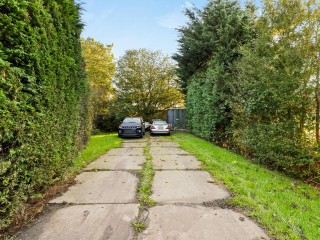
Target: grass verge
(98, 145)
(144, 192)
(288, 208)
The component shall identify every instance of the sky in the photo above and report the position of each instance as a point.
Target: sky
(134, 24)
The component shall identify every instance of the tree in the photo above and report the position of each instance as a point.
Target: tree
(100, 69)
(219, 27)
(195, 48)
(146, 83)
(209, 47)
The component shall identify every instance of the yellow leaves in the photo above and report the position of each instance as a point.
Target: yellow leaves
(100, 68)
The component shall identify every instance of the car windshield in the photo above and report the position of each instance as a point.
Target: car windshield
(160, 123)
(131, 120)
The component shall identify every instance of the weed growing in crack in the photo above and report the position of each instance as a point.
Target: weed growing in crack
(144, 192)
(139, 226)
(145, 185)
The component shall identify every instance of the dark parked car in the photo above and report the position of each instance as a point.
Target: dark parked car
(132, 127)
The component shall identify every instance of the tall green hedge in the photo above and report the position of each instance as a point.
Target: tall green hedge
(209, 48)
(43, 92)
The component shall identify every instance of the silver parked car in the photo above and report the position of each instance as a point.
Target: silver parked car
(160, 127)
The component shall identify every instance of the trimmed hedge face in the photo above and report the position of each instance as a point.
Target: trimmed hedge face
(43, 90)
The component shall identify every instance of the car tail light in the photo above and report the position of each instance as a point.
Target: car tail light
(153, 127)
(168, 127)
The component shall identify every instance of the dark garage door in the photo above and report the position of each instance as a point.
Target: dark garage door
(177, 118)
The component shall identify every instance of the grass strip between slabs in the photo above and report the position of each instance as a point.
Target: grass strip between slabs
(288, 208)
(144, 192)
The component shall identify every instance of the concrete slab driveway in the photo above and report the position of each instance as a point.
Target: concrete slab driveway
(188, 201)
(102, 204)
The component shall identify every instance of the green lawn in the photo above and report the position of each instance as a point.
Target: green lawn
(98, 145)
(288, 208)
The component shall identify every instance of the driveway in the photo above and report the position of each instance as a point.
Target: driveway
(103, 204)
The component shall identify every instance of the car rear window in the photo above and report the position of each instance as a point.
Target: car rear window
(131, 120)
(160, 123)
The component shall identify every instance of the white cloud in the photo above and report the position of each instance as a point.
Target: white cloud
(187, 5)
(175, 19)
(97, 18)
(171, 20)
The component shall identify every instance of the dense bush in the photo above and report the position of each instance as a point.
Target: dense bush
(274, 101)
(253, 83)
(43, 89)
(274, 145)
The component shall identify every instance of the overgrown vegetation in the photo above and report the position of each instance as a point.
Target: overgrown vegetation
(289, 208)
(43, 98)
(252, 81)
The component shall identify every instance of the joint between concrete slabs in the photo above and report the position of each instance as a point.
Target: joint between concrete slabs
(182, 170)
(133, 171)
(181, 154)
(214, 204)
(100, 203)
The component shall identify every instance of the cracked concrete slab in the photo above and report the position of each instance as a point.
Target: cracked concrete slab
(186, 187)
(106, 162)
(199, 223)
(103, 203)
(164, 144)
(178, 162)
(83, 222)
(134, 144)
(167, 151)
(125, 152)
(158, 139)
(101, 187)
